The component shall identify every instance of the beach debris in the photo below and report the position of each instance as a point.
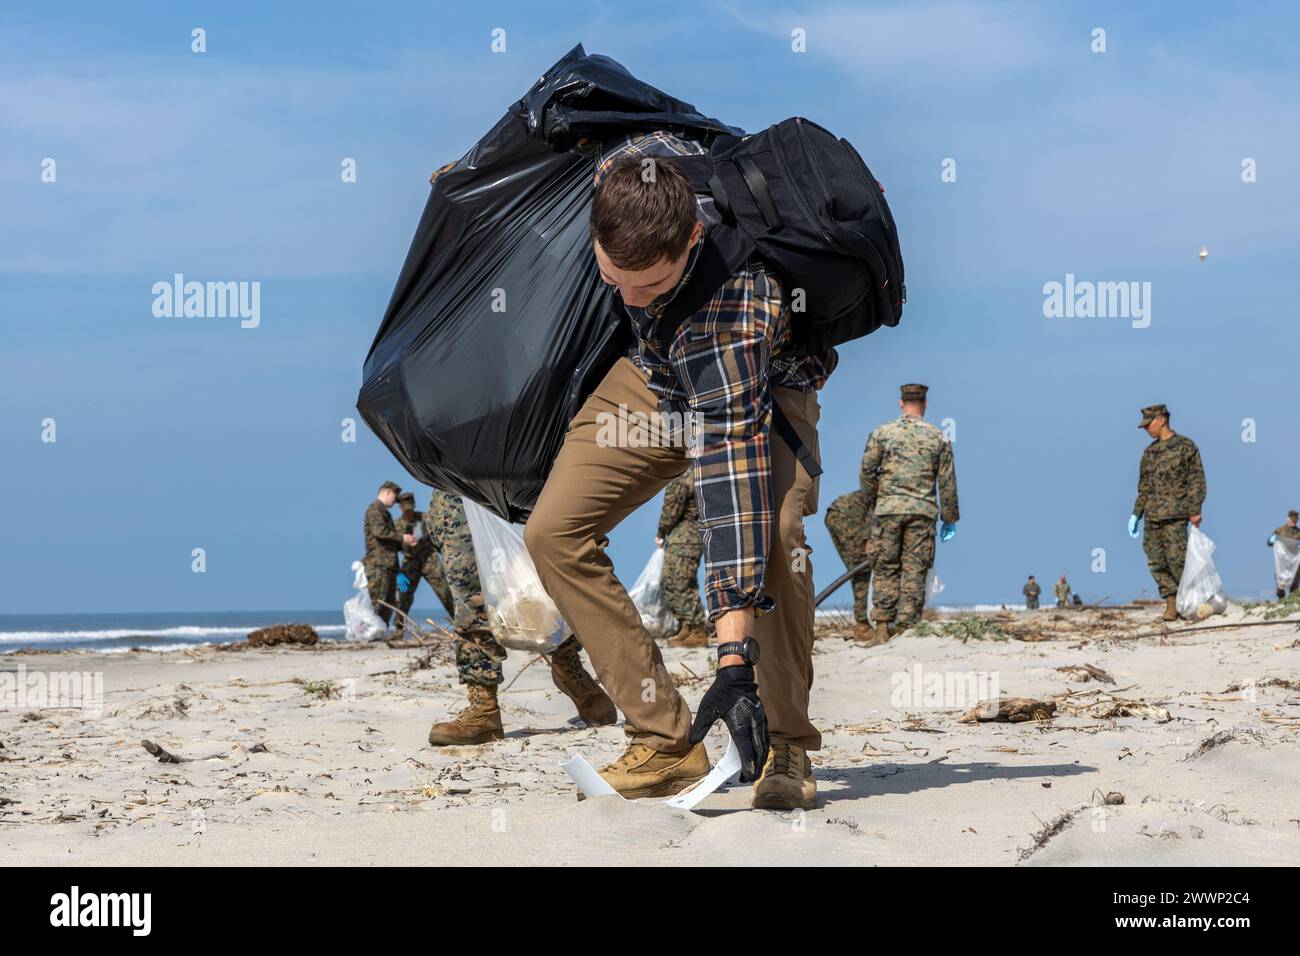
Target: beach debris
(278, 634)
(1086, 672)
(1226, 736)
(324, 689)
(1265, 682)
(1013, 710)
(161, 707)
(965, 628)
(163, 756)
(1050, 830)
(1108, 705)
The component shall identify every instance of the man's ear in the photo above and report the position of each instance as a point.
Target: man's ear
(697, 232)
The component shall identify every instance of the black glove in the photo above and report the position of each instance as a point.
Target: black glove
(733, 698)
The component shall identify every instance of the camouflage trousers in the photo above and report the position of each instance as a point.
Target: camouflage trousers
(849, 523)
(681, 586)
(381, 582)
(478, 654)
(902, 550)
(1031, 603)
(430, 569)
(1165, 544)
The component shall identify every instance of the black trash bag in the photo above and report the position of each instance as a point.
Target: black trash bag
(500, 325)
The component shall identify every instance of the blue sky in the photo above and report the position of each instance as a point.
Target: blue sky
(175, 434)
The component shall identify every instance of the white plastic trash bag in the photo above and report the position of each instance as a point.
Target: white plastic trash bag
(648, 596)
(1200, 592)
(1286, 561)
(520, 612)
(933, 586)
(360, 621)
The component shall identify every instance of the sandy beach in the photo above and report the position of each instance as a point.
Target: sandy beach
(318, 755)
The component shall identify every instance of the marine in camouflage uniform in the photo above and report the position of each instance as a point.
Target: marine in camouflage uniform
(383, 542)
(420, 561)
(904, 461)
(1062, 592)
(479, 655)
(1031, 590)
(1291, 532)
(849, 524)
(679, 531)
(1171, 490)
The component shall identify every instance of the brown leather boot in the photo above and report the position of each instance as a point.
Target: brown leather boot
(1171, 609)
(644, 772)
(786, 782)
(476, 724)
(572, 679)
(690, 635)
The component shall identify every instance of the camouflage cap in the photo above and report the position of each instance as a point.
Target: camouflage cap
(406, 496)
(391, 486)
(1151, 413)
(913, 392)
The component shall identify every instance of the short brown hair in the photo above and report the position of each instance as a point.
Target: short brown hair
(640, 221)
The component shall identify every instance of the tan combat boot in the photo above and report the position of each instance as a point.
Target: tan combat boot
(476, 724)
(645, 772)
(572, 679)
(1171, 609)
(690, 635)
(786, 782)
(870, 636)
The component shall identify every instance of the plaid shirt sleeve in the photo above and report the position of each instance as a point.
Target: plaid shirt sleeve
(721, 357)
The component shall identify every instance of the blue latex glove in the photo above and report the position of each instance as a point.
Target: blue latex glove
(947, 530)
(1272, 540)
(1133, 525)
(403, 583)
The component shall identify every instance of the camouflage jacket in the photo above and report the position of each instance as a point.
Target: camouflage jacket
(679, 510)
(1171, 480)
(1062, 590)
(414, 557)
(382, 540)
(903, 462)
(1031, 590)
(1287, 531)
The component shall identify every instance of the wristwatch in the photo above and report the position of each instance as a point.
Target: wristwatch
(748, 649)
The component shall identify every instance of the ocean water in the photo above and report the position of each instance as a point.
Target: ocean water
(169, 631)
(159, 631)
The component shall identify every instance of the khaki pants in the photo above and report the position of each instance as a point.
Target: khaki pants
(591, 489)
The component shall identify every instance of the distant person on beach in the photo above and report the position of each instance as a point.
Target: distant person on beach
(1171, 490)
(905, 461)
(418, 561)
(383, 544)
(1062, 592)
(849, 524)
(1031, 590)
(679, 535)
(1290, 532)
(479, 655)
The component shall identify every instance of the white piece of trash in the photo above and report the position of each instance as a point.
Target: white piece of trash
(593, 784)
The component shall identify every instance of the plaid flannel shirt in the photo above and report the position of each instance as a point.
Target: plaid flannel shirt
(721, 368)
